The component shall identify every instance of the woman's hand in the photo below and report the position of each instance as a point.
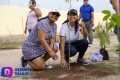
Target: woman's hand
(32, 7)
(53, 55)
(64, 64)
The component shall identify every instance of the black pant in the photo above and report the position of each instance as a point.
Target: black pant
(78, 46)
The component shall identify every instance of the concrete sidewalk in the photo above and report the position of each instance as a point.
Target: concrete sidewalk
(10, 58)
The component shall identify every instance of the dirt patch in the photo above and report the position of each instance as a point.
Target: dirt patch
(77, 72)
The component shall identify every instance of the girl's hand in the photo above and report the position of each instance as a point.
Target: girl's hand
(64, 64)
(82, 24)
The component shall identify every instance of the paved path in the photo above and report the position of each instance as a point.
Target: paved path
(10, 58)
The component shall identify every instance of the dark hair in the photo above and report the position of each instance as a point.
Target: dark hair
(42, 18)
(33, 2)
(72, 11)
(76, 25)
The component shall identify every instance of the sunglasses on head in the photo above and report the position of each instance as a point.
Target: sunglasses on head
(56, 13)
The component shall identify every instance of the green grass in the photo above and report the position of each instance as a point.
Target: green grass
(110, 67)
(11, 41)
(11, 45)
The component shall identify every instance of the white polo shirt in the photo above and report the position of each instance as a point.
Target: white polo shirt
(64, 31)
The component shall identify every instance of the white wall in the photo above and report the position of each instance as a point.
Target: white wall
(11, 19)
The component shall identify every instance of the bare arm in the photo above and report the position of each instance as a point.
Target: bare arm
(52, 42)
(55, 37)
(41, 37)
(79, 17)
(62, 46)
(115, 4)
(83, 30)
(38, 12)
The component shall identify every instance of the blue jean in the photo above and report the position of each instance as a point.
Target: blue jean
(78, 46)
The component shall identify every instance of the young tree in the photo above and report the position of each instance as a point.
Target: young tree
(114, 19)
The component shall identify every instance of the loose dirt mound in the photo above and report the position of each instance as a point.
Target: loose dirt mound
(77, 72)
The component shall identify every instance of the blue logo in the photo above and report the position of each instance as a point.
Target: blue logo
(22, 71)
(7, 72)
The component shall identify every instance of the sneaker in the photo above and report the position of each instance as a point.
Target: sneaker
(82, 62)
(48, 66)
(23, 62)
(90, 44)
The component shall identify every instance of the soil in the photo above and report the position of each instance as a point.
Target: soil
(76, 72)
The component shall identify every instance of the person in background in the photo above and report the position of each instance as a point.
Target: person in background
(116, 7)
(71, 28)
(33, 16)
(87, 16)
(39, 45)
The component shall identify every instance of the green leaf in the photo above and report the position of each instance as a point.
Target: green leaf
(114, 17)
(111, 25)
(106, 12)
(106, 17)
(118, 19)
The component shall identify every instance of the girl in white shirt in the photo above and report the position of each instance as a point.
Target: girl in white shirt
(71, 28)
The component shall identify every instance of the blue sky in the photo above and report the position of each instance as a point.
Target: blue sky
(98, 5)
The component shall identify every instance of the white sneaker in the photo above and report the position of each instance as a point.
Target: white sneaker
(48, 66)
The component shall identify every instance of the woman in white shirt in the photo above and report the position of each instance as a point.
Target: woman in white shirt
(71, 28)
